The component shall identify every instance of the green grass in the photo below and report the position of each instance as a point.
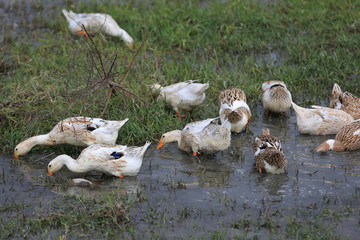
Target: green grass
(110, 217)
(219, 43)
(43, 67)
(79, 217)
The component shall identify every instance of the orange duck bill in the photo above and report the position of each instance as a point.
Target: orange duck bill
(161, 144)
(50, 173)
(16, 156)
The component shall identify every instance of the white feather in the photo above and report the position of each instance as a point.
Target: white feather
(357, 132)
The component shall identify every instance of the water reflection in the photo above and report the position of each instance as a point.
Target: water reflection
(273, 184)
(98, 188)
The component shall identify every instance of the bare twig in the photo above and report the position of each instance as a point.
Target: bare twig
(127, 91)
(122, 78)
(96, 49)
(133, 59)
(100, 74)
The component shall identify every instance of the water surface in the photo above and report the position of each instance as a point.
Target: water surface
(208, 192)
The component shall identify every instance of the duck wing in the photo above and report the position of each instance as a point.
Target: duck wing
(198, 126)
(105, 126)
(350, 135)
(174, 87)
(330, 115)
(266, 141)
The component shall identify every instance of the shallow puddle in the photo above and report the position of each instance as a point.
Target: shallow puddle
(207, 192)
(187, 196)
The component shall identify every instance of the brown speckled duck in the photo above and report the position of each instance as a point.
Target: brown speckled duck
(271, 160)
(345, 101)
(275, 97)
(265, 140)
(347, 139)
(268, 153)
(233, 107)
(202, 136)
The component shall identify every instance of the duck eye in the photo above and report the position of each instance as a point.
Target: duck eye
(49, 166)
(16, 149)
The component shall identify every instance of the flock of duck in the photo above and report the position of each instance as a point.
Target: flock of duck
(207, 136)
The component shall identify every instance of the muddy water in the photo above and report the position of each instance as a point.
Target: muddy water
(205, 193)
(185, 195)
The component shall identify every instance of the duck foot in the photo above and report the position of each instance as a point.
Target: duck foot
(178, 115)
(82, 32)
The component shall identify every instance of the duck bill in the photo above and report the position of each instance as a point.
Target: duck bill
(16, 156)
(50, 173)
(161, 144)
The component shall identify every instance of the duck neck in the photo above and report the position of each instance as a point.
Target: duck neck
(174, 136)
(37, 140)
(124, 36)
(70, 163)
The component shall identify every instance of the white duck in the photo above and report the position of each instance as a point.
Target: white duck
(233, 107)
(320, 120)
(183, 95)
(205, 136)
(275, 97)
(117, 160)
(345, 101)
(96, 22)
(79, 131)
(347, 139)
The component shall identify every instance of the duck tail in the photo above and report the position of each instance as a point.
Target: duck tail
(336, 90)
(203, 88)
(119, 124)
(144, 148)
(67, 15)
(336, 100)
(199, 88)
(297, 108)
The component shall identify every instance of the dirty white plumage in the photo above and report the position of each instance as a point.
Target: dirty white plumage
(202, 136)
(320, 120)
(96, 22)
(183, 95)
(117, 160)
(275, 97)
(79, 131)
